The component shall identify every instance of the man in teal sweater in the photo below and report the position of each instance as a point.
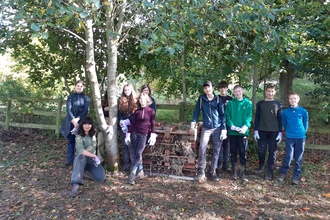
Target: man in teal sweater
(238, 116)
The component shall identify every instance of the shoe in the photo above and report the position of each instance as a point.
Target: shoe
(67, 164)
(140, 174)
(75, 188)
(214, 176)
(281, 177)
(259, 170)
(200, 176)
(295, 181)
(269, 176)
(131, 179)
(234, 168)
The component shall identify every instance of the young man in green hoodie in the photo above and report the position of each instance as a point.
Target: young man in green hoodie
(238, 116)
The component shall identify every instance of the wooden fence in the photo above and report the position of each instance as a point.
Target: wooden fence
(10, 108)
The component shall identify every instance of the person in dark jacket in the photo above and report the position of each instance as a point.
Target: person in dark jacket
(143, 121)
(126, 108)
(295, 123)
(214, 127)
(77, 105)
(268, 130)
(146, 90)
(224, 153)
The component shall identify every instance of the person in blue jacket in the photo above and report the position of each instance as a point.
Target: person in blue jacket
(214, 127)
(295, 123)
(77, 105)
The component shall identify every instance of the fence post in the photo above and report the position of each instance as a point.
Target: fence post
(58, 117)
(8, 114)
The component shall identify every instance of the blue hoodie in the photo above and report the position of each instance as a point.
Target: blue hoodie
(295, 122)
(213, 113)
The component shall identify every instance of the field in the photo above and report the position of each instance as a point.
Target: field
(35, 185)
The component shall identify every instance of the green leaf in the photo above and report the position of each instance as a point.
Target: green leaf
(35, 27)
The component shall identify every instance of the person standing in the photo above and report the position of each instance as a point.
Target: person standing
(224, 153)
(268, 130)
(86, 163)
(214, 127)
(143, 121)
(126, 108)
(146, 89)
(77, 105)
(295, 123)
(238, 116)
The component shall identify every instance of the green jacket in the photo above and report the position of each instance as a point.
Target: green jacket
(85, 143)
(238, 113)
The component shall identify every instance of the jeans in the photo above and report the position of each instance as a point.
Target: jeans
(294, 148)
(82, 164)
(206, 135)
(267, 138)
(126, 153)
(238, 144)
(138, 143)
(71, 147)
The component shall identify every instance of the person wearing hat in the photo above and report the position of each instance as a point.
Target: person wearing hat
(214, 128)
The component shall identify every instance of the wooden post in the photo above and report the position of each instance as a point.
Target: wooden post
(58, 117)
(182, 114)
(8, 115)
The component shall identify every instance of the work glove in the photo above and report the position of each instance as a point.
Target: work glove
(128, 138)
(234, 128)
(279, 137)
(256, 135)
(96, 161)
(123, 125)
(223, 135)
(152, 139)
(193, 125)
(109, 130)
(243, 129)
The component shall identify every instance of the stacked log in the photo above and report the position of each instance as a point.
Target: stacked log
(174, 152)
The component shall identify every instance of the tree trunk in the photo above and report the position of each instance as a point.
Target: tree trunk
(286, 81)
(114, 26)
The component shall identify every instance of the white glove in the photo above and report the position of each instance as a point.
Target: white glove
(152, 139)
(109, 130)
(243, 129)
(279, 137)
(193, 125)
(223, 135)
(256, 135)
(234, 128)
(128, 138)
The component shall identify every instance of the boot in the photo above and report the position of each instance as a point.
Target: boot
(259, 170)
(214, 176)
(140, 174)
(75, 188)
(200, 176)
(225, 166)
(132, 175)
(234, 169)
(269, 175)
(243, 175)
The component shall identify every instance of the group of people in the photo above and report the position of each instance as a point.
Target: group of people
(226, 121)
(226, 116)
(136, 116)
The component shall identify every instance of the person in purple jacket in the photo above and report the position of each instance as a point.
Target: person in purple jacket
(295, 123)
(142, 121)
(268, 130)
